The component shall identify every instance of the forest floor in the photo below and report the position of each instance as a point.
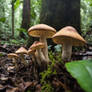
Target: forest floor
(22, 79)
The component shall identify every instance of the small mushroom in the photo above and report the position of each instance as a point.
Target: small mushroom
(39, 54)
(43, 31)
(32, 53)
(21, 51)
(14, 57)
(35, 70)
(68, 37)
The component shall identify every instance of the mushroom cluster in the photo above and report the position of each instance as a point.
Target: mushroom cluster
(42, 31)
(37, 46)
(67, 37)
(19, 54)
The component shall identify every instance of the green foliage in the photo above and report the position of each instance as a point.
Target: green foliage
(17, 4)
(14, 42)
(28, 91)
(82, 72)
(35, 11)
(86, 19)
(6, 17)
(17, 40)
(47, 87)
(24, 31)
(21, 29)
(46, 74)
(2, 19)
(1, 54)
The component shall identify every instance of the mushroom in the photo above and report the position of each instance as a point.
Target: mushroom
(14, 57)
(43, 31)
(32, 52)
(35, 70)
(21, 51)
(39, 55)
(68, 37)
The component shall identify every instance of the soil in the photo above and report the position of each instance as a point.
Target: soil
(22, 78)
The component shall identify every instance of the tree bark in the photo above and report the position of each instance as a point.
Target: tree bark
(60, 13)
(12, 18)
(25, 17)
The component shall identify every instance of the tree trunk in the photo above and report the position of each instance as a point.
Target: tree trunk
(25, 17)
(60, 13)
(12, 18)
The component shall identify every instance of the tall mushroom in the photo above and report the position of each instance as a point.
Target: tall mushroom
(68, 37)
(43, 31)
(21, 51)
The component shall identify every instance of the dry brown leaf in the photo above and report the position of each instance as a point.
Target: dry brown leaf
(12, 90)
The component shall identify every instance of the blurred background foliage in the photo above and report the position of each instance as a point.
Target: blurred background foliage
(6, 19)
(86, 19)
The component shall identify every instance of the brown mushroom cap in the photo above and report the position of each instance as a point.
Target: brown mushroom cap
(68, 34)
(21, 50)
(37, 45)
(30, 51)
(41, 29)
(12, 55)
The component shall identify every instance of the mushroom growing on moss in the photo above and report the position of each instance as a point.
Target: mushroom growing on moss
(21, 51)
(43, 31)
(14, 57)
(68, 37)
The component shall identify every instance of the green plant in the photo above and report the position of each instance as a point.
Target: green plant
(28, 91)
(86, 19)
(35, 11)
(82, 72)
(47, 73)
(47, 88)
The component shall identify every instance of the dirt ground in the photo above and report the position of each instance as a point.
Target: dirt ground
(22, 78)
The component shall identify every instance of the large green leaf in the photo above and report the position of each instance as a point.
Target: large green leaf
(82, 72)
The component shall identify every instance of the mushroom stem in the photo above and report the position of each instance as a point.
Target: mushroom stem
(33, 58)
(40, 57)
(23, 59)
(40, 54)
(45, 49)
(15, 62)
(37, 58)
(42, 62)
(66, 51)
(35, 69)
